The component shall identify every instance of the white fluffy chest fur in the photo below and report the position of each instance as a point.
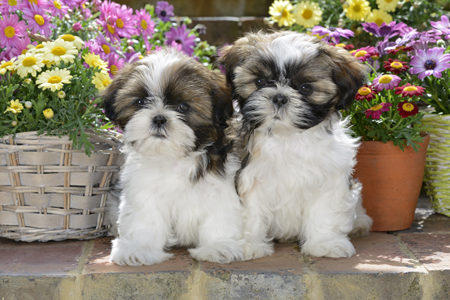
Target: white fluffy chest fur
(287, 175)
(162, 183)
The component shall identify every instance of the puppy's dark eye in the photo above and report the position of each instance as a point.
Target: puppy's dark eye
(305, 89)
(139, 103)
(183, 107)
(260, 82)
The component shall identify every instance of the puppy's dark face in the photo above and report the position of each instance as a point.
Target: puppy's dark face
(290, 81)
(169, 103)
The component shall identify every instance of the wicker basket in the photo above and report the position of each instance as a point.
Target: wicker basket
(437, 169)
(49, 191)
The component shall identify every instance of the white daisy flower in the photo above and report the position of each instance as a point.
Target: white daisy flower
(29, 63)
(59, 50)
(73, 39)
(7, 65)
(53, 79)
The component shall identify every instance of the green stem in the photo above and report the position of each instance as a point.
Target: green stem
(393, 128)
(375, 71)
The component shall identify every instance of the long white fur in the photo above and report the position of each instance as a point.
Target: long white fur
(160, 206)
(297, 185)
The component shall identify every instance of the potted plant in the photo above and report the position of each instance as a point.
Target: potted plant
(386, 115)
(57, 153)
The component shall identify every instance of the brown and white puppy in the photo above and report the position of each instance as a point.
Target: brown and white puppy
(178, 179)
(297, 156)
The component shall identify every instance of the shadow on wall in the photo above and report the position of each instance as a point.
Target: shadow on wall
(225, 20)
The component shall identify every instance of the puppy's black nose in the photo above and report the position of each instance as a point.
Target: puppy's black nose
(279, 100)
(159, 120)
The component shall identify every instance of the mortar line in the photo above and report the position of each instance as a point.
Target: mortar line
(416, 262)
(83, 258)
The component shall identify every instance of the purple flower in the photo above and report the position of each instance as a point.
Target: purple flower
(443, 26)
(431, 62)
(38, 20)
(164, 10)
(11, 30)
(386, 82)
(131, 57)
(181, 36)
(404, 40)
(104, 48)
(334, 33)
(385, 30)
(382, 45)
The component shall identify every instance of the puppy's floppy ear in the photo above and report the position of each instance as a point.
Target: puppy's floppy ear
(349, 74)
(110, 93)
(231, 56)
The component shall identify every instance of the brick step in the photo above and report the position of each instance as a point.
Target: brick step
(409, 264)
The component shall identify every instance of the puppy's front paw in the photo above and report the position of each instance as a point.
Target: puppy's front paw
(218, 253)
(362, 226)
(257, 250)
(129, 254)
(336, 248)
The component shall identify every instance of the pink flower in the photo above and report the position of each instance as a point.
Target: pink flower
(115, 63)
(181, 36)
(432, 62)
(21, 46)
(72, 3)
(29, 3)
(118, 21)
(8, 6)
(56, 8)
(145, 26)
(11, 30)
(386, 82)
(105, 48)
(365, 53)
(38, 20)
(77, 27)
(376, 110)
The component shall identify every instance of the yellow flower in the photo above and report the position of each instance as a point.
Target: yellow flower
(6, 65)
(95, 61)
(72, 39)
(387, 5)
(101, 81)
(15, 107)
(379, 17)
(357, 10)
(53, 79)
(48, 113)
(29, 63)
(281, 13)
(308, 14)
(59, 50)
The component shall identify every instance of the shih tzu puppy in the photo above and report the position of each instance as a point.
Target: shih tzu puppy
(178, 178)
(297, 156)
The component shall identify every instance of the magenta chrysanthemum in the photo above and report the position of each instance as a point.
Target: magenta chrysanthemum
(115, 63)
(38, 20)
(375, 111)
(21, 46)
(365, 53)
(164, 10)
(11, 30)
(145, 26)
(56, 8)
(117, 21)
(181, 36)
(431, 62)
(386, 82)
(102, 47)
(8, 6)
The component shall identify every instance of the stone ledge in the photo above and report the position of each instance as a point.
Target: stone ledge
(409, 264)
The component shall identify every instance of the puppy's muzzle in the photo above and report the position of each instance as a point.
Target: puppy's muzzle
(159, 121)
(279, 100)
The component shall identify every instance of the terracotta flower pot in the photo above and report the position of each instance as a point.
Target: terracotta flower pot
(391, 180)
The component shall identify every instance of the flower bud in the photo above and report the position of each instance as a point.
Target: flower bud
(14, 123)
(108, 39)
(90, 28)
(67, 17)
(187, 21)
(400, 5)
(359, 30)
(416, 5)
(70, 11)
(80, 17)
(48, 113)
(28, 104)
(76, 27)
(130, 49)
(130, 42)
(61, 95)
(27, 81)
